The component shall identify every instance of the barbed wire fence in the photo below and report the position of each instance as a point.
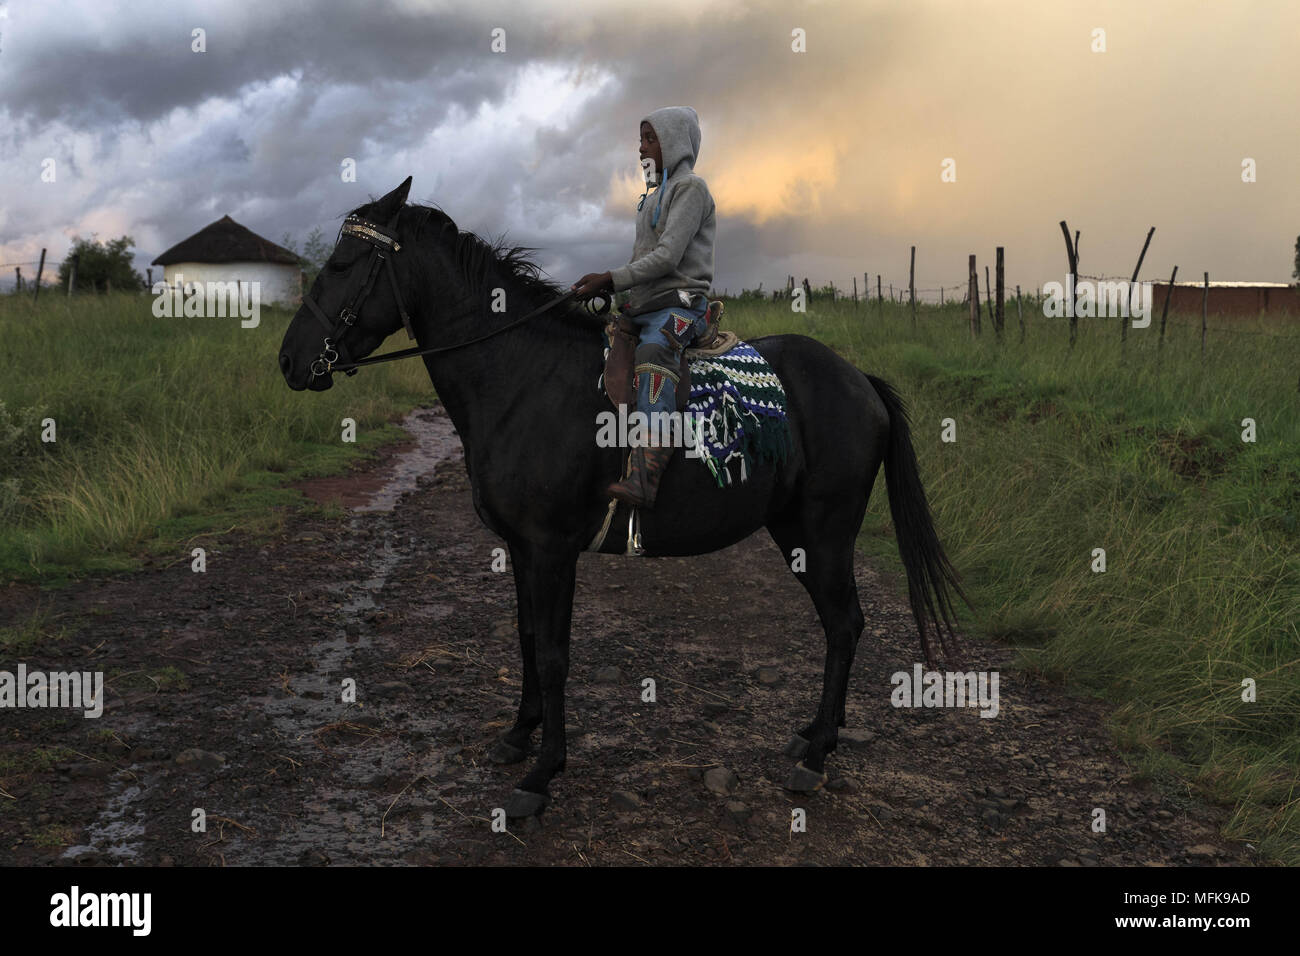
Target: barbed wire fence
(12, 280)
(970, 299)
(954, 296)
(897, 291)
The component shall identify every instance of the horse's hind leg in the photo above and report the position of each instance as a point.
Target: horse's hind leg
(513, 746)
(827, 541)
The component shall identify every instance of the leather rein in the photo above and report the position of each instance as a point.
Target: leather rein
(384, 244)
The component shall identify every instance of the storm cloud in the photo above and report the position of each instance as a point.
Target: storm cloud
(824, 163)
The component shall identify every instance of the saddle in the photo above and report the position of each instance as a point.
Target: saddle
(619, 377)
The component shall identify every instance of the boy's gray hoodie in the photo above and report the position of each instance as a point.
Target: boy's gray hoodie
(675, 226)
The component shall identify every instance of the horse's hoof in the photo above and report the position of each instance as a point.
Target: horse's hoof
(523, 803)
(503, 752)
(803, 780)
(796, 748)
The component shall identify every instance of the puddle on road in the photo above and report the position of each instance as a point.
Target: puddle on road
(118, 833)
(431, 612)
(436, 441)
(113, 834)
(433, 441)
(372, 499)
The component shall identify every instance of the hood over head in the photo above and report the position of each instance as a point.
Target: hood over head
(678, 129)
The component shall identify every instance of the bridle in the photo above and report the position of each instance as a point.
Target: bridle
(383, 243)
(383, 246)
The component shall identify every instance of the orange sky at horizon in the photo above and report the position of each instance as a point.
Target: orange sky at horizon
(841, 151)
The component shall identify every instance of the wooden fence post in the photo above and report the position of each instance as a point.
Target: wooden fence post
(973, 295)
(998, 320)
(1205, 313)
(39, 270)
(988, 295)
(1020, 315)
(1165, 311)
(18, 278)
(72, 274)
(1072, 254)
(1123, 321)
(880, 299)
(855, 292)
(911, 284)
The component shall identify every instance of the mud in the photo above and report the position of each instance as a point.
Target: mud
(224, 689)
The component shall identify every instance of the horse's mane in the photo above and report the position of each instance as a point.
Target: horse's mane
(478, 258)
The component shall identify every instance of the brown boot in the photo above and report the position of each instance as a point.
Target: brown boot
(645, 468)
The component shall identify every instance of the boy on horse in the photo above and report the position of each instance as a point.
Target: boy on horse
(668, 278)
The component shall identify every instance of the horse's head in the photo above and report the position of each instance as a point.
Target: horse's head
(355, 302)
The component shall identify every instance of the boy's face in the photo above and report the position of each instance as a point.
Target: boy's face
(650, 148)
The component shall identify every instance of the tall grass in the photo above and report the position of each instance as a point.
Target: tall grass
(156, 420)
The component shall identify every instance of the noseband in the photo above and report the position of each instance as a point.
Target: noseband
(383, 243)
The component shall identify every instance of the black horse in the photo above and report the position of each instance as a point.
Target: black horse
(523, 397)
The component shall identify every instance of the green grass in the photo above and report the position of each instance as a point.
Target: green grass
(37, 760)
(1139, 454)
(164, 679)
(173, 429)
(20, 639)
(165, 429)
(54, 836)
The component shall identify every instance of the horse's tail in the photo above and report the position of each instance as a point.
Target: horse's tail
(930, 576)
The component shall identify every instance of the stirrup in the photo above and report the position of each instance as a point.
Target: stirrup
(634, 533)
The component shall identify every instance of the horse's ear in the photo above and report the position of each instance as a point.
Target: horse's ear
(396, 199)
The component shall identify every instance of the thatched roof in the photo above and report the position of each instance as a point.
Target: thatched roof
(226, 241)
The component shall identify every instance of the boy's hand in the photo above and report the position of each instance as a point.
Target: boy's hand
(593, 283)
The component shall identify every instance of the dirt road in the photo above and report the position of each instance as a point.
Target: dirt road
(224, 697)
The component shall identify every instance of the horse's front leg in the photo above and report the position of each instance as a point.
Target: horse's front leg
(546, 580)
(513, 746)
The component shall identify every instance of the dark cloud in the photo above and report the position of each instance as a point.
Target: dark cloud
(155, 140)
(258, 124)
(145, 66)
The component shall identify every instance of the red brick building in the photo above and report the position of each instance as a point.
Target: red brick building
(1228, 298)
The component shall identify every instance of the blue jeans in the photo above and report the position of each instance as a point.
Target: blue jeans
(656, 392)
